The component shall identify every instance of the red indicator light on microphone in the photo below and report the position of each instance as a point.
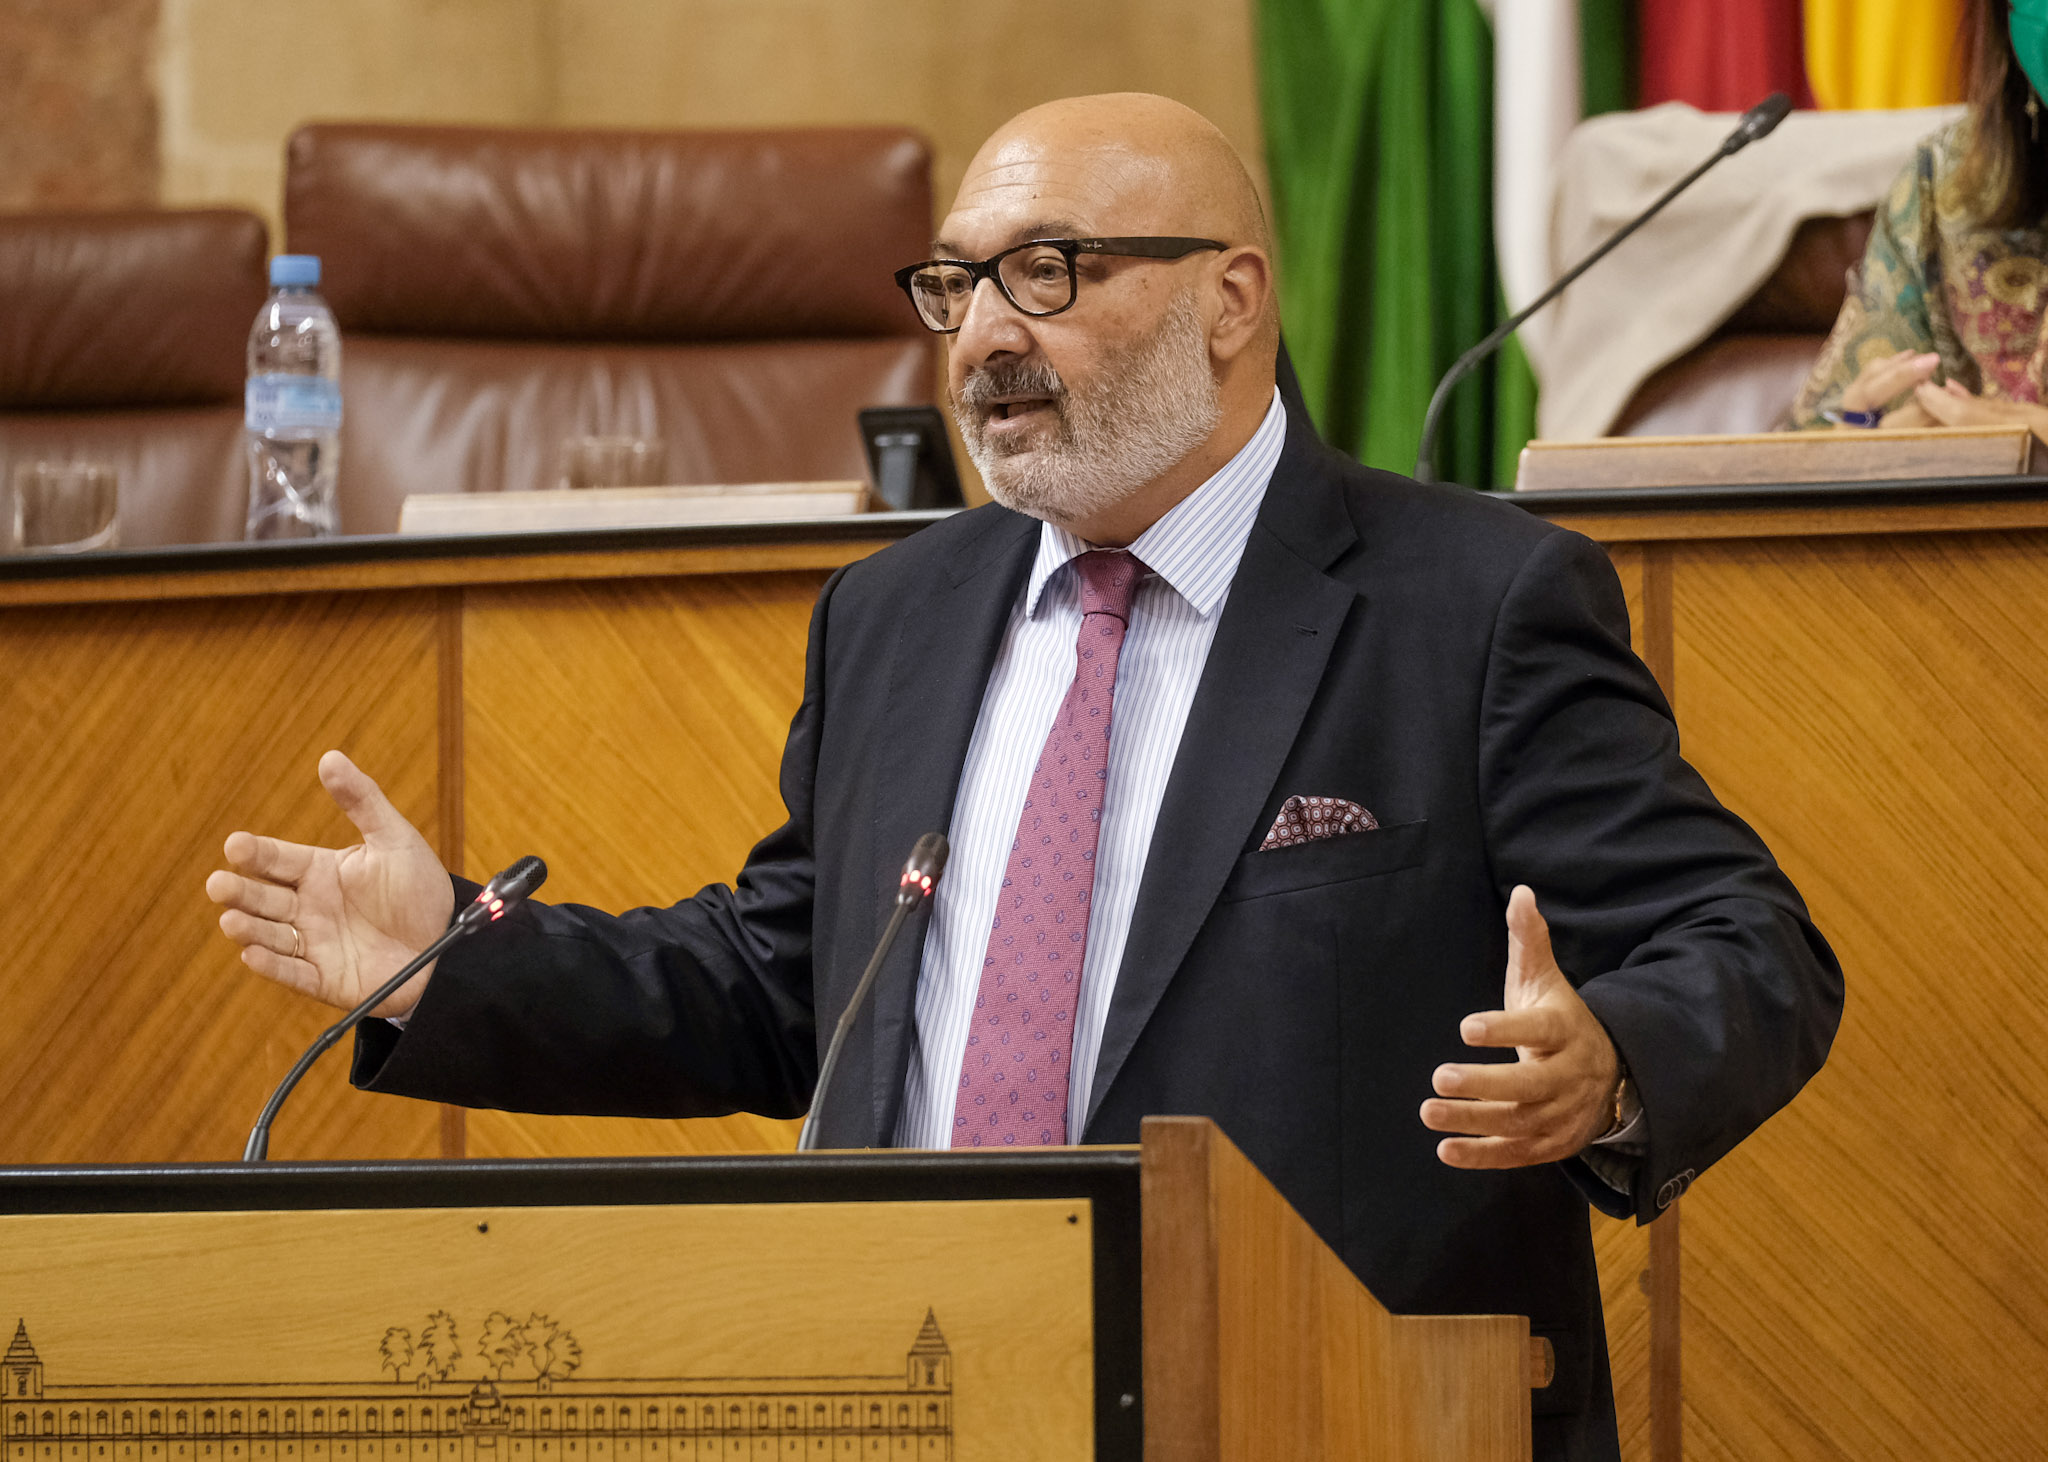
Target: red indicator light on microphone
(497, 909)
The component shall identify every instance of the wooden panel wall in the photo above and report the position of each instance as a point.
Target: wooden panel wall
(1641, 1331)
(627, 729)
(1864, 1279)
(629, 733)
(1867, 1277)
(133, 739)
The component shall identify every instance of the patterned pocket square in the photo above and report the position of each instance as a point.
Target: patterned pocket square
(1311, 819)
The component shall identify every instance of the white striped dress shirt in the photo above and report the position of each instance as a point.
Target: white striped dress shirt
(1193, 553)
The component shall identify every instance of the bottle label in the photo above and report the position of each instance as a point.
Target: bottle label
(291, 403)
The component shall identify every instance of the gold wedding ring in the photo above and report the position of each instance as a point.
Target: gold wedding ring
(298, 945)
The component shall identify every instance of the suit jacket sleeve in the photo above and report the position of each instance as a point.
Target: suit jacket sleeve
(1682, 934)
(699, 1009)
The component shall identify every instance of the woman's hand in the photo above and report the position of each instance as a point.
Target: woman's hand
(1886, 380)
(1954, 405)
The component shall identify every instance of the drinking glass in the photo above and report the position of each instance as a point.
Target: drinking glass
(65, 507)
(614, 461)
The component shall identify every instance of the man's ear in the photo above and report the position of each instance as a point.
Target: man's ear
(1244, 290)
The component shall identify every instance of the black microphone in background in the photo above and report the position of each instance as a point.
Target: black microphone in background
(499, 896)
(920, 877)
(1756, 123)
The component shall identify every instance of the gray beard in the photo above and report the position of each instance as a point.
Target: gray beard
(1158, 400)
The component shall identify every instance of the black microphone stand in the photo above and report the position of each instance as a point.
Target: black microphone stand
(920, 875)
(1755, 123)
(500, 894)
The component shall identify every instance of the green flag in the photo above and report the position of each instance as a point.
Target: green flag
(1379, 143)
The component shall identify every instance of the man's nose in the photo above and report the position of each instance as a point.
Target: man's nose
(991, 328)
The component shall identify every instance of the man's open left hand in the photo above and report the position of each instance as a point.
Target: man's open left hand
(1558, 1096)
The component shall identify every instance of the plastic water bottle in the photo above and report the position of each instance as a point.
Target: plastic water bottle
(292, 408)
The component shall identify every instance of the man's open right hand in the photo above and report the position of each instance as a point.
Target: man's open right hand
(337, 923)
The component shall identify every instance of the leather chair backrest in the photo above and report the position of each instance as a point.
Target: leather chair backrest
(121, 341)
(1744, 377)
(501, 290)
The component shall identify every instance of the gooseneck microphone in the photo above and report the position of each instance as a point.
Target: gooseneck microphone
(499, 896)
(1755, 123)
(920, 877)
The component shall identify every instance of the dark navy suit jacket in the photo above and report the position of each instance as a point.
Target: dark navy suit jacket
(1456, 665)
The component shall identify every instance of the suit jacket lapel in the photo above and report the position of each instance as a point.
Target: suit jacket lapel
(945, 649)
(1264, 667)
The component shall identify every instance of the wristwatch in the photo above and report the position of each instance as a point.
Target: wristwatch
(1627, 1107)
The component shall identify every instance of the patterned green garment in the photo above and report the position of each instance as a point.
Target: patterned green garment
(1932, 280)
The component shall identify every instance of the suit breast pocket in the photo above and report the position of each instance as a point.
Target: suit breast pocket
(1341, 859)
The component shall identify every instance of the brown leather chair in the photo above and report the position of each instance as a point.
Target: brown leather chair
(1744, 377)
(121, 341)
(499, 291)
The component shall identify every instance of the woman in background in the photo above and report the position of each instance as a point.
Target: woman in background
(1943, 323)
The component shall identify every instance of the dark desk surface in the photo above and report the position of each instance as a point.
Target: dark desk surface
(418, 547)
(1609, 514)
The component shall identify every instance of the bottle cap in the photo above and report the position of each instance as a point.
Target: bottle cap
(295, 271)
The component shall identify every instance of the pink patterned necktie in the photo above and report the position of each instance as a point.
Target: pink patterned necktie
(1013, 1082)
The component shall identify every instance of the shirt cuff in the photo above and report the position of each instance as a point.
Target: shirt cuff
(1627, 1138)
(1615, 1154)
(1616, 1170)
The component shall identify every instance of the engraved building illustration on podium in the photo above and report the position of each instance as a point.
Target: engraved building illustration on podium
(527, 1406)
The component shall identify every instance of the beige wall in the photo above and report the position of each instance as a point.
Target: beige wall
(235, 76)
(77, 108)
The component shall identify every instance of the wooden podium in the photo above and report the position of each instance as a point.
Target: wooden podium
(1159, 1302)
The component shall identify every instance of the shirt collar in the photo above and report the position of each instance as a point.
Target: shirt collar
(1196, 545)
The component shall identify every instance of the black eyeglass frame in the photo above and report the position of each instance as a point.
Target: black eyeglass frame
(1133, 247)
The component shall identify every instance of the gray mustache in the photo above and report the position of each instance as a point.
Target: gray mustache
(983, 387)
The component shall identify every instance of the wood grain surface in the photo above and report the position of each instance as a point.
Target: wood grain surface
(1257, 1337)
(1775, 457)
(135, 741)
(1808, 520)
(1866, 1277)
(1863, 1279)
(1643, 1390)
(767, 1303)
(140, 732)
(630, 733)
(1622, 1248)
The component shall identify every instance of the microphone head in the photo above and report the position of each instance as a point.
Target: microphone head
(521, 879)
(927, 862)
(509, 889)
(1758, 121)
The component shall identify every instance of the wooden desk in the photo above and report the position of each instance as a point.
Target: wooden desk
(1860, 671)
(615, 702)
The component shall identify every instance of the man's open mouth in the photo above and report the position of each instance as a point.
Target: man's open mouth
(1011, 407)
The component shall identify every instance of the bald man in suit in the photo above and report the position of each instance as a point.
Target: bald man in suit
(1283, 791)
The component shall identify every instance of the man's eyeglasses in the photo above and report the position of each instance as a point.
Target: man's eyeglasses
(1036, 277)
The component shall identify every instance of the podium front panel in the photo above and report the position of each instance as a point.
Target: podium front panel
(681, 1311)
